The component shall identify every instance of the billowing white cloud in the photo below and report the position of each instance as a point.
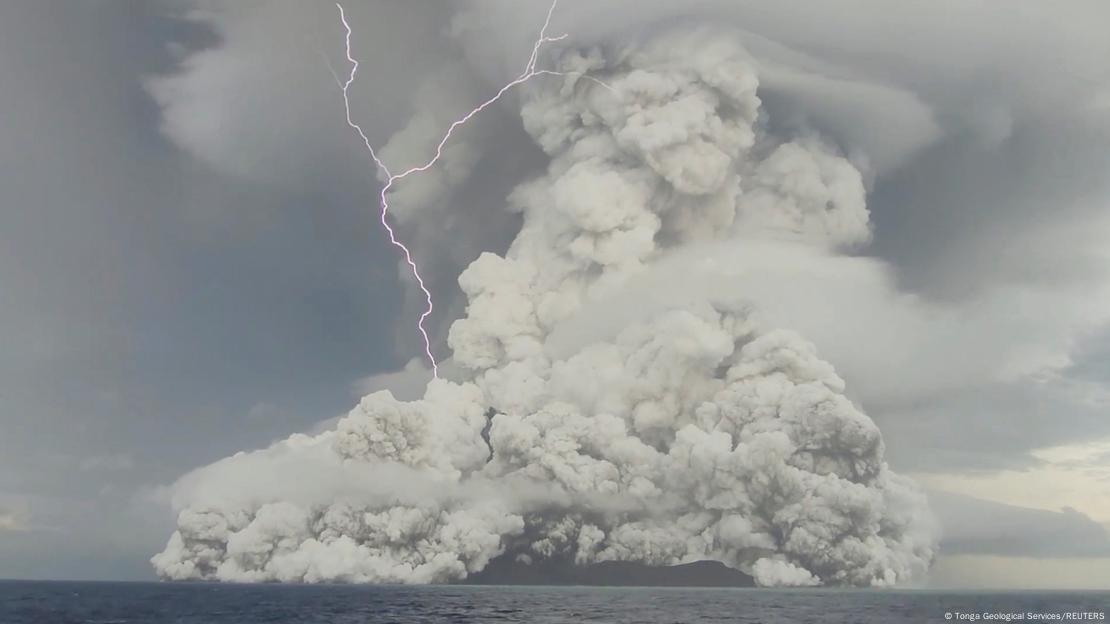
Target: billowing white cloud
(843, 302)
(697, 430)
(633, 378)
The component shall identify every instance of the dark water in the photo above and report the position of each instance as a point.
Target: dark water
(28, 602)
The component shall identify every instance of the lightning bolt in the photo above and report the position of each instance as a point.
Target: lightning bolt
(529, 72)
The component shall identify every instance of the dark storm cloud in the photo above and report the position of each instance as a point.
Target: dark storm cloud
(1015, 210)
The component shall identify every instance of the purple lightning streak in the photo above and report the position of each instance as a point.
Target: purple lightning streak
(529, 72)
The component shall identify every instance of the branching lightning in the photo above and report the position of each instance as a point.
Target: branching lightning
(529, 72)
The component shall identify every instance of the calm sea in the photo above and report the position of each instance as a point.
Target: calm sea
(32, 602)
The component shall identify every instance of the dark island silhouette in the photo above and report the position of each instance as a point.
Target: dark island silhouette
(506, 570)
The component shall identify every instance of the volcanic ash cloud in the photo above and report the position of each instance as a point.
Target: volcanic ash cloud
(696, 431)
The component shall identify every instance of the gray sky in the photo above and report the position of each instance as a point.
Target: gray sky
(191, 265)
(157, 315)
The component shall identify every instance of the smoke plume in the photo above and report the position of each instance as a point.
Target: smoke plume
(699, 430)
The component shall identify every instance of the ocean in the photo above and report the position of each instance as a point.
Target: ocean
(58, 602)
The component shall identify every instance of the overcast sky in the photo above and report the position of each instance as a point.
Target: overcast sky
(191, 264)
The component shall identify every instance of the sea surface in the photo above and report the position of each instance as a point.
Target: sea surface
(36, 602)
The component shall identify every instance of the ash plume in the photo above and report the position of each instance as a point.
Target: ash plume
(698, 430)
